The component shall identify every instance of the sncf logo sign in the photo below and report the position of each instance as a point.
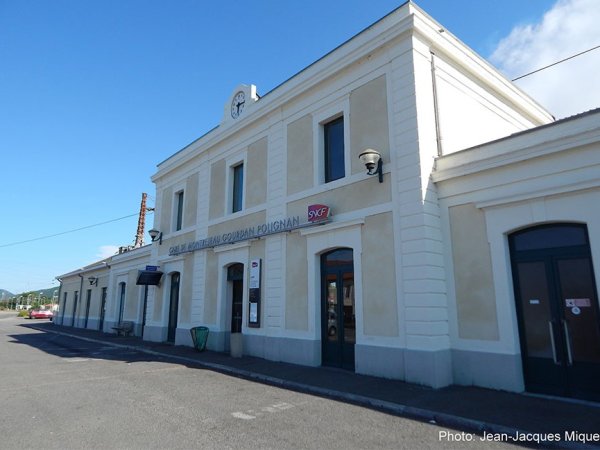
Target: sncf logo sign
(316, 213)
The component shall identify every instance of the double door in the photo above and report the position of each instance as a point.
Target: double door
(557, 308)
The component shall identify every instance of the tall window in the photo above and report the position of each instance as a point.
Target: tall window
(238, 188)
(334, 150)
(64, 308)
(87, 307)
(121, 300)
(75, 300)
(102, 309)
(179, 211)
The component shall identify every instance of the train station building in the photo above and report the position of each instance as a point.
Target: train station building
(398, 208)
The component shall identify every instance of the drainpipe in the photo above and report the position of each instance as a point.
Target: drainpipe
(436, 112)
(58, 302)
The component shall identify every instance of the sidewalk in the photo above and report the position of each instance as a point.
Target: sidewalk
(468, 409)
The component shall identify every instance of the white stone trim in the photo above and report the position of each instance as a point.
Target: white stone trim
(230, 247)
(335, 110)
(240, 158)
(330, 227)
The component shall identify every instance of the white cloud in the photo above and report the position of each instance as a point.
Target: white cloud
(106, 250)
(570, 27)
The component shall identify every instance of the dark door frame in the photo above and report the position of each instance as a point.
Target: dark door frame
(336, 349)
(560, 374)
(145, 305)
(235, 282)
(75, 300)
(102, 308)
(175, 279)
(122, 297)
(88, 301)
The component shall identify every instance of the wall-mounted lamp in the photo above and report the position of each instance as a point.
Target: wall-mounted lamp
(372, 161)
(93, 281)
(155, 235)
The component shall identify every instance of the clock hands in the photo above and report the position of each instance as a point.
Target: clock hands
(238, 106)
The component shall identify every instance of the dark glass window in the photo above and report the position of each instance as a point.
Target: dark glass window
(235, 276)
(88, 300)
(179, 217)
(338, 257)
(173, 306)
(238, 188)
(121, 300)
(550, 236)
(334, 150)
(75, 300)
(235, 272)
(64, 308)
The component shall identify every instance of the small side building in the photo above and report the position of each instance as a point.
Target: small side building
(103, 294)
(521, 221)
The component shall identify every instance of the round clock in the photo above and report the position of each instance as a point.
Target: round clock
(237, 104)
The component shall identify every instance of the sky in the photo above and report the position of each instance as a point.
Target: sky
(95, 93)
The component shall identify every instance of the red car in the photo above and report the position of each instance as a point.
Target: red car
(40, 314)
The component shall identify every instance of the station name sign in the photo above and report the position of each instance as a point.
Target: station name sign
(317, 215)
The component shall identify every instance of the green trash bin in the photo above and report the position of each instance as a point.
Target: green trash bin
(199, 337)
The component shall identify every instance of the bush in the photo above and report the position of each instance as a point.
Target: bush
(23, 313)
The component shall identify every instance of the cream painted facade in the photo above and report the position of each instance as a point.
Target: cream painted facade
(402, 87)
(421, 286)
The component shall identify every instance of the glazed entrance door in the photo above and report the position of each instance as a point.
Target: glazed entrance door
(338, 309)
(173, 307)
(235, 276)
(102, 309)
(88, 300)
(557, 307)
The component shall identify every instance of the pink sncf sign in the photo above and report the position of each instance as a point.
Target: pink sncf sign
(317, 213)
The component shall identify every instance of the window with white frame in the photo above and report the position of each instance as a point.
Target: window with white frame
(333, 150)
(331, 142)
(178, 211)
(237, 187)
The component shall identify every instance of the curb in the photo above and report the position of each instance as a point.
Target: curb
(411, 412)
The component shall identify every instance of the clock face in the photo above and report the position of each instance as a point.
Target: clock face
(237, 104)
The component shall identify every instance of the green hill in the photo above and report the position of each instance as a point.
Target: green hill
(47, 293)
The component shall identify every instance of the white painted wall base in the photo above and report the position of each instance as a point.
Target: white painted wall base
(236, 345)
(154, 333)
(490, 370)
(385, 362)
(296, 351)
(429, 368)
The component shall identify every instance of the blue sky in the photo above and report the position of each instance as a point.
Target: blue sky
(94, 94)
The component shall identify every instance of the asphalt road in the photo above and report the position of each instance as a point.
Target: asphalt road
(57, 392)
